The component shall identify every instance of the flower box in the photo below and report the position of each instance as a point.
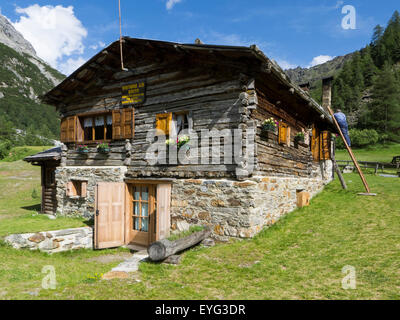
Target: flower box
(82, 149)
(104, 150)
(103, 147)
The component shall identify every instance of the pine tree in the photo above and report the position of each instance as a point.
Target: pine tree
(368, 66)
(384, 111)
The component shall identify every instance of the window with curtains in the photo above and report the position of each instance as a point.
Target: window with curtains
(97, 128)
(181, 123)
(174, 124)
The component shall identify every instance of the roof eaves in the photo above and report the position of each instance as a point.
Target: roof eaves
(277, 70)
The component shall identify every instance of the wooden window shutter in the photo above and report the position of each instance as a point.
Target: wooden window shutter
(325, 145)
(128, 120)
(72, 124)
(70, 189)
(163, 211)
(283, 133)
(84, 189)
(163, 122)
(64, 130)
(315, 144)
(68, 129)
(117, 124)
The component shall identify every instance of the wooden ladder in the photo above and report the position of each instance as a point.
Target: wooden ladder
(352, 156)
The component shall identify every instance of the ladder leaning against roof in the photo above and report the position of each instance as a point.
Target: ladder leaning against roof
(327, 103)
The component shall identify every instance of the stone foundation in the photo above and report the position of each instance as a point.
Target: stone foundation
(83, 207)
(240, 209)
(53, 241)
(232, 208)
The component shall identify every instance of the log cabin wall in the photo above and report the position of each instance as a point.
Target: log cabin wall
(276, 159)
(209, 95)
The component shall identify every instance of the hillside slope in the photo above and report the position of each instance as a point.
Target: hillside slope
(317, 73)
(23, 78)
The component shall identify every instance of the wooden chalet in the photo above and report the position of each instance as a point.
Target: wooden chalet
(175, 87)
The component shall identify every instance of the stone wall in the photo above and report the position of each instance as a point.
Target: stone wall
(53, 241)
(240, 209)
(233, 208)
(78, 206)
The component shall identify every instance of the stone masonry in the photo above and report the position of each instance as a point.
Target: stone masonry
(233, 208)
(78, 206)
(53, 241)
(239, 208)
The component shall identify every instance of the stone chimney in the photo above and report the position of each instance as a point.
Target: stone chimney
(327, 92)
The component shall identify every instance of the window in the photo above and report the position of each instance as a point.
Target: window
(116, 125)
(321, 145)
(144, 208)
(76, 188)
(97, 128)
(174, 124)
(180, 123)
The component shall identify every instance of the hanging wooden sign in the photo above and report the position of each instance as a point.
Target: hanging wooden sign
(134, 93)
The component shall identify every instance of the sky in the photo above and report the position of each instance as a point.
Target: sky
(66, 33)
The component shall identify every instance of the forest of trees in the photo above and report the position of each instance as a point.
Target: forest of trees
(368, 87)
(23, 119)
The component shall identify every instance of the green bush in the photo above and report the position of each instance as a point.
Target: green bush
(35, 194)
(360, 138)
(5, 147)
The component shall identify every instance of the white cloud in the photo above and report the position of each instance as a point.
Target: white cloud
(54, 32)
(171, 3)
(98, 45)
(285, 64)
(71, 65)
(320, 60)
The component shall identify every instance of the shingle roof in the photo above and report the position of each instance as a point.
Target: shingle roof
(53, 154)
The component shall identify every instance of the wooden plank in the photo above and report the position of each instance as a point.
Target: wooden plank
(163, 210)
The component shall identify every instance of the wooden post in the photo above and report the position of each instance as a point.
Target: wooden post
(350, 152)
(339, 173)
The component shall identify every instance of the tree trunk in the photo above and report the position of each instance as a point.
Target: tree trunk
(162, 249)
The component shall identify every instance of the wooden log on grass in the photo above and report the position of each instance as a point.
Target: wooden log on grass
(162, 249)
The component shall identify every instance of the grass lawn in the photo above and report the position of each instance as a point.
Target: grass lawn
(301, 257)
(376, 153)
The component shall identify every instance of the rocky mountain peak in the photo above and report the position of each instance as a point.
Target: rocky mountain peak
(13, 39)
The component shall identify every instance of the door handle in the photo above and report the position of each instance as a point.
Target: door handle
(97, 213)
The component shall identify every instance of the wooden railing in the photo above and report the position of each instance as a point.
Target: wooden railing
(369, 165)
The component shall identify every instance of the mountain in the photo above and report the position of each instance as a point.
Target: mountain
(304, 75)
(23, 78)
(366, 85)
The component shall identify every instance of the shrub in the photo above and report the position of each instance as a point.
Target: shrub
(35, 194)
(5, 147)
(360, 138)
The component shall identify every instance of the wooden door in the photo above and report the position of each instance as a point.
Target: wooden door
(149, 213)
(110, 215)
(49, 194)
(142, 218)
